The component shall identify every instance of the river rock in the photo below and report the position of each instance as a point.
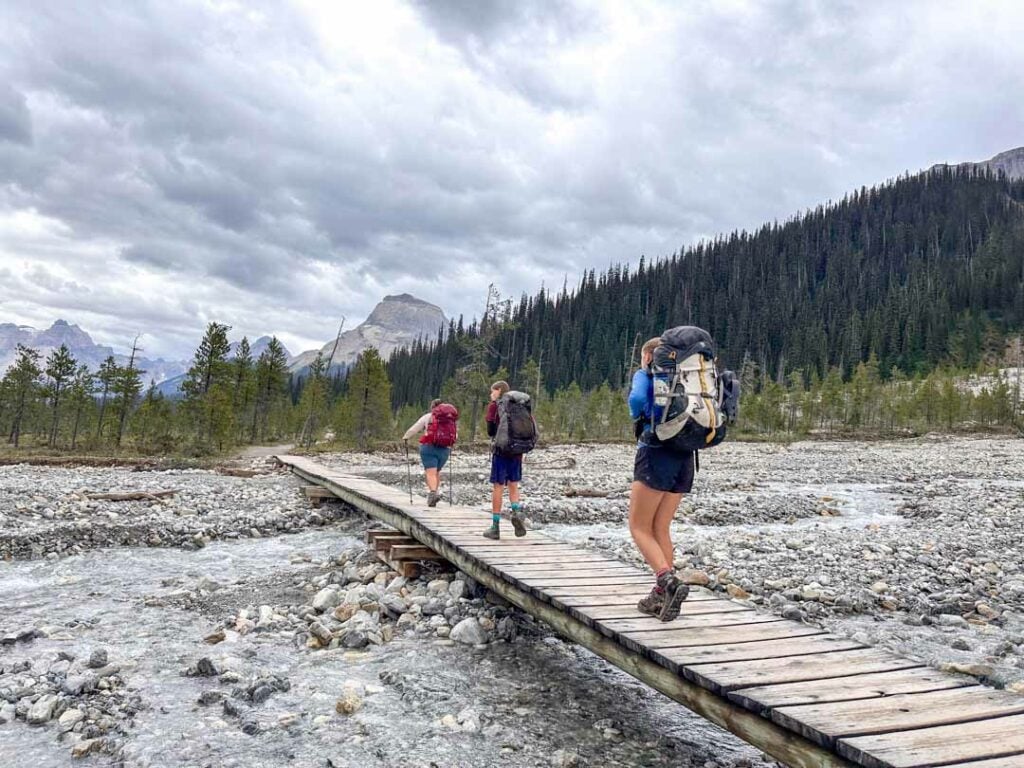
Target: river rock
(7, 713)
(42, 711)
(70, 719)
(326, 599)
(349, 703)
(469, 631)
(694, 576)
(97, 659)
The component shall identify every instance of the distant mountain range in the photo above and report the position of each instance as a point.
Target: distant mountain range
(81, 345)
(172, 387)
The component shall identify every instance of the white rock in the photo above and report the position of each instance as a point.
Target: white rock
(469, 631)
(326, 599)
(42, 711)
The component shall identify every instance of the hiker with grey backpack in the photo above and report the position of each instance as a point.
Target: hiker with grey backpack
(681, 404)
(513, 433)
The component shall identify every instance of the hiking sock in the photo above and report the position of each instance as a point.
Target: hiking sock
(495, 518)
(516, 506)
(660, 578)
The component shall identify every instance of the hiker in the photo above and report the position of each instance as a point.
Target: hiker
(661, 475)
(440, 428)
(513, 432)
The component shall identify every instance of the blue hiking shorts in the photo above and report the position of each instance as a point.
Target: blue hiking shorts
(506, 469)
(662, 469)
(433, 456)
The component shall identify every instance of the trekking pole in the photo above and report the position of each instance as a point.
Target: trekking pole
(451, 481)
(408, 470)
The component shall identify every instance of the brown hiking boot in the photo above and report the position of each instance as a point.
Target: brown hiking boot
(518, 524)
(651, 604)
(675, 593)
(432, 498)
(493, 532)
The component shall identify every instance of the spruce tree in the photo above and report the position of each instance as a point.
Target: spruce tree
(60, 367)
(106, 375)
(364, 414)
(23, 387)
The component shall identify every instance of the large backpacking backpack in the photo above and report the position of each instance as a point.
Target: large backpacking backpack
(443, 428)
(694, 402)
(517, 429)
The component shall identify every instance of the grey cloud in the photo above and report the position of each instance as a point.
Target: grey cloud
(15, 119)
(248, 167)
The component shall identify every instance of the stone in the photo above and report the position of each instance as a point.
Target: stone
(457, 589)
(326, 599)
(737, 592)
(355, 639)
(70, 719)
(7, 713)
(42, 711)
(469, 631)
(97, 659)
(879, 587)
(694, 576)
(86, 747)
(320, 632)
(217, 636)
(207, 584)
(346, 611)
(976, 669)
(206, 668)
(349, 703)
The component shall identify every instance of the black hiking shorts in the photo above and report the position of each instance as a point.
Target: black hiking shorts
(662, 469)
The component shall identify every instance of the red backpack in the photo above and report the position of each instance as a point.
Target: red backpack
(443, 427)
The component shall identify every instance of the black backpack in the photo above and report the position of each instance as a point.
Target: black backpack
(517, 429)
(694, 402)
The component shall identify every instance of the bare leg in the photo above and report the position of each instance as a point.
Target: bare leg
(643, 507)
(513, 492)
(433, 480)
(663, 517)
(496, 494)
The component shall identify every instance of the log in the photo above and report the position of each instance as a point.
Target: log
(586, 493)
(131, 496)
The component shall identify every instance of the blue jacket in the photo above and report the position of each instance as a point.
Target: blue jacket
(641, 396)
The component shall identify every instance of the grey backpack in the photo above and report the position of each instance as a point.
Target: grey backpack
(517, 429)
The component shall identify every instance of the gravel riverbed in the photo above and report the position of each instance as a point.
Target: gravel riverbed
(234, 624)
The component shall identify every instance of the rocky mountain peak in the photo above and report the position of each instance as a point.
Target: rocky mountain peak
(395, 322)
(1010, 162)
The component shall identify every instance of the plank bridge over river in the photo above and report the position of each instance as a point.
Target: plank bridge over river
(804, 696)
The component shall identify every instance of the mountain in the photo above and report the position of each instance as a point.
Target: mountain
(1010, 162)
(81, 345)
(256, 348)
(917, 273)
(395, 322)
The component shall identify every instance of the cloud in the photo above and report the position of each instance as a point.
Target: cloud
(274, 166)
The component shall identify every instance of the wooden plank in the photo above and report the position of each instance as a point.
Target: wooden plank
(728, 676)
(577, 591)
(825, 723)
(860, 686)
(373, 533)
(412, 552)
(1012, 761)
(582, 581)
(941, 745)
(629, 610)
(689, 638)
(685, 621)
(759, 649)
(553, 569)
(559, 558)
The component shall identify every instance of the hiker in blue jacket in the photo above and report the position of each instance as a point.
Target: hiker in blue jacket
(661, 476)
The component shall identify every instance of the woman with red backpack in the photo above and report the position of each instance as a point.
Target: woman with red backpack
(440, 428)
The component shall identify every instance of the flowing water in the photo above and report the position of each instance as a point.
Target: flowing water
(530, 698)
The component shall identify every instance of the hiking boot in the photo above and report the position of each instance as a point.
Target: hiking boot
(432, 498)
(518, 524)
(675, 593)
(651, 604)
(493, 532)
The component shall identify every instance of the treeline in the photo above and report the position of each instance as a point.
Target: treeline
(922, 272)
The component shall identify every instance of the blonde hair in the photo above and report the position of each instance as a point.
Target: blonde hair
(501, 386)
(649, 346)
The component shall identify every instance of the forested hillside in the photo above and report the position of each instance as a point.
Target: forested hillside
(920, 272)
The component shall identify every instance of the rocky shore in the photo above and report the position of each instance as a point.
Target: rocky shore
(211, 624)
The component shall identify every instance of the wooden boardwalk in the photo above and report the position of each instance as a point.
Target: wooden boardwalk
(804, 696)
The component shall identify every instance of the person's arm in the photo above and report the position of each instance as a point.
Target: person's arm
(639, 395)
(492, 419)
(419, 426)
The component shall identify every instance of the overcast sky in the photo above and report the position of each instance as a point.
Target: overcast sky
(276, 165)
